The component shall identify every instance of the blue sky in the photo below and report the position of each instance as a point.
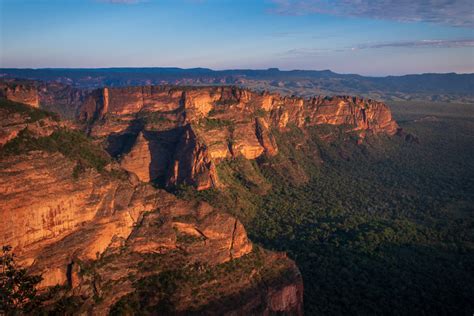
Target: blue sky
(365, 36)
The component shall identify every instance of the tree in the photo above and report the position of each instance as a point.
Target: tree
(17, 288)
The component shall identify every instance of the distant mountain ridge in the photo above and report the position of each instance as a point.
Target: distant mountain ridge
(448, 87)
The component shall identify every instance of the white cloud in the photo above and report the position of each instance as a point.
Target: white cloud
(436, 43)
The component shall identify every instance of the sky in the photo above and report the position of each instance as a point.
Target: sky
(368, 37)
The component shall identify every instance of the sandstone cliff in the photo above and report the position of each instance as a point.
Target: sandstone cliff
(24, 93)
(173, 136)
(62, 99)
(206, 125)
(106, 237)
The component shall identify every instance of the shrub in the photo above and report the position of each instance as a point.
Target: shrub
(209, 123)
(260, 113)
(17, 288)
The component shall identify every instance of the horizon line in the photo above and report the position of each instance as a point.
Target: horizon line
(232, 69)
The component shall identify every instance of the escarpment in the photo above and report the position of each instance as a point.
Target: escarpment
(173, 136)
(23, 93)
(110, 241)
(59, 98)
(86, 214)
(100, 237)
(205, 125)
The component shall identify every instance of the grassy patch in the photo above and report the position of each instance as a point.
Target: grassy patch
(72, 144)
(260, 113)
(188, 239)
(200, 283)
(226, 102)
(210, 123)
(214, 112)
(153, 294)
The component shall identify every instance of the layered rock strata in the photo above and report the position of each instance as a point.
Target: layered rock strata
(209, 124)
(59, 98)
(100, 235)
(174, 136)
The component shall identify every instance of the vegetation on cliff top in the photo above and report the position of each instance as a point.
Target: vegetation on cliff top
(165, 287)
(32, 114)
(72, 144)
(212, 123)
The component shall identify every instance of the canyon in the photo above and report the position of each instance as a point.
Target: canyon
(174, 136)
(95, 215)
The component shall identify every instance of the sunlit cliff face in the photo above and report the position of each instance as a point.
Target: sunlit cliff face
(177, 135)
(93, 229)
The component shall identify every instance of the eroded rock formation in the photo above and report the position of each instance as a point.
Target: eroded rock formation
(62, 99)
(102, 234)
(220, 123)
(174, 136)
(24, 93)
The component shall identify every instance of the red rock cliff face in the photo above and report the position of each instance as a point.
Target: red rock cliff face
(67, 223)
(42, 204)
(58, 98)
(219, 123)
(97, 233)
(100, 235)
(23, 93)
(191, 164)
(123, 101)
(362, 115)
(177, 135)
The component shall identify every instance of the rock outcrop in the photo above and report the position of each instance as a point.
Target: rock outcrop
(189, 130)
(138, 160)
(101, 234)
(219, 123)
(59, 98)
(24, 93)
(191, 164)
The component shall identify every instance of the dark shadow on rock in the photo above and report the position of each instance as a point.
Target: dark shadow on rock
(162, 146)
(119, 144)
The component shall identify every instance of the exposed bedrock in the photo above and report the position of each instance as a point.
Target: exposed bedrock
(189, 130)
(172, 135)
(97, 234)
(59, 226)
